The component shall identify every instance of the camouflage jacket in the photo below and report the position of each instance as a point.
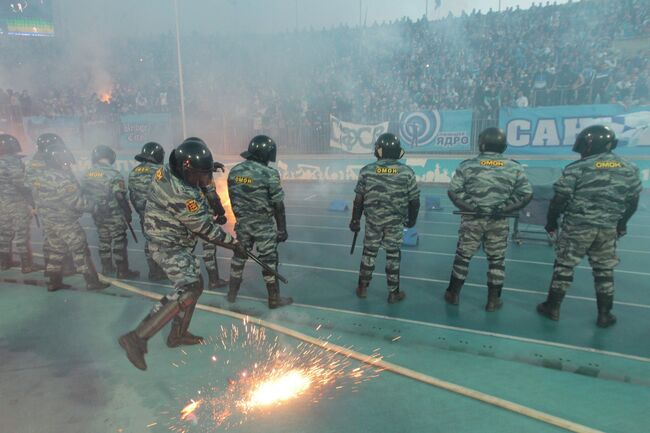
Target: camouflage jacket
(598, 188)
(175, 214)
(12, 180)
(490, 181)
(100, 184)
(58, 196)
(253, 189)
(34, 168)
(387, 187)
(139, 182)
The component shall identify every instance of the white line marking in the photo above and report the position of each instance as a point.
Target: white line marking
(310, 197)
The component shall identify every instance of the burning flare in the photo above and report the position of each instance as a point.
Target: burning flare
(189, 409)
(286, 386)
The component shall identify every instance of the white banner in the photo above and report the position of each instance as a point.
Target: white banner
(353, 137)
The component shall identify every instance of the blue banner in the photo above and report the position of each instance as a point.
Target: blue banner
(552, 130)
(436, 131)
(139, 129)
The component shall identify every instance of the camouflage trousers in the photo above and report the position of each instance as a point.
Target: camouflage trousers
(210, 257)
(64, 238)
(574, 242)
(493, 235)
(262, 235)
(111, 231)
(15, 219)
(389, 238)
(181, 267)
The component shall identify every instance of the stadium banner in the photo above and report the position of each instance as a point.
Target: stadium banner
(139, 129)
(552, 130)
(353, 137)
(436, 131)
(67, 127)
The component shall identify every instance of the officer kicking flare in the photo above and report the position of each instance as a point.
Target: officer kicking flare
(151, 159)
(59, 199)
(388, 195)
(16, 204)
(257, 198)
(104, 187)
(486, 188)
(597, 195)
(175, 215)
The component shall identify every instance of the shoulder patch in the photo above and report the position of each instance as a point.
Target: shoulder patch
(386, 170)
(492, 163)
(159, 174)
(94, 173)
(142, 170)
(243, 180)
(608, 164)
(192, 205)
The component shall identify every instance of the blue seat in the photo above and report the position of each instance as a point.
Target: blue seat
(411, 237)
(338, 206)
(432, 202)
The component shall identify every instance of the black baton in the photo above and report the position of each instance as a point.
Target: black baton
(135, 238)
(458, 212)
(266, 267)
(354, 242)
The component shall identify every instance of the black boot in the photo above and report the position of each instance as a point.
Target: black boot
(124, 273)
(605, 303)
(551, 308)
(27, 264)
(107, 267)
(275, 300)
(494, 301)
(362, 288)
(395, 296)
(92, 281)
(155, 273)
(56, 283)
(233, 289)
(452, 294)
(179, 335)
(5, 261)
(214, 282)
(68, 266)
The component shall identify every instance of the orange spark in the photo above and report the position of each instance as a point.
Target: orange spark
(189, 409)
(278, 389)
(105, 97)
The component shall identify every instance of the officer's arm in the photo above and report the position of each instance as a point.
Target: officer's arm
(198, 220)
(414, 202)
(630, 208)
(119, 192)
(214, 201)
(521, 195)
(555, 209)
(456, 193)
(74, 198)
(280, 220)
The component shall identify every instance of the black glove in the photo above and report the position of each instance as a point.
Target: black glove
(218, 166)
(496, 213)
(220, 219)
(282, 236)
(128, 216)
(413, 210)
(238, 248)
(357, 211)
(355, 225)
(621, 229)
(551, 227)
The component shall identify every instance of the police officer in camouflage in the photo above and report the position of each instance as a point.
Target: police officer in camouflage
(388, 195)
(104, 187)
(151, 159)
(486, 188)
(175, 215)
(16, 204)
(597, 195)
(257, 200)
(58, 197)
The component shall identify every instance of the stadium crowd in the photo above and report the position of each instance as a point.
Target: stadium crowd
(547, 55)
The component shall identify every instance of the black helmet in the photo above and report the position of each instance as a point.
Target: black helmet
(9, 145)
(57, 155)
(103, 152)
(492, 140)
(47, 139)
(151, 152)
(192, 162)
(595, 139)
(388, 146)
(262, 148)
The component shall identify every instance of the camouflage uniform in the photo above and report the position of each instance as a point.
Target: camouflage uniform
(387, 187)
(175, 215)
(100, 185)
(139, 182)
(488, 184)
(15, 212)
(254, 190)
(597, 188)
(58, 197)
(210, 250)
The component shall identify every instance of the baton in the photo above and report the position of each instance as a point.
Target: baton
(266, 267)
(354, 242)
(135, 238)
(37, 221)
(509, 215)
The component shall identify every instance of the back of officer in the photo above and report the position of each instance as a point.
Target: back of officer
(151, 159)
(105, 190)
(16, 205)
(257, 200)
(597, 195)
(176, 214)
(58, 197)
(388, 195)
(486, 188)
